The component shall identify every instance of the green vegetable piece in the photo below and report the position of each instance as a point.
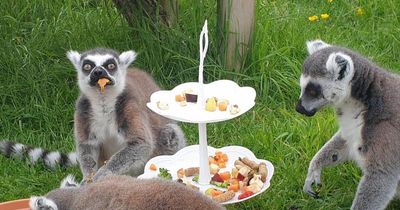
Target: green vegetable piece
(164, 173)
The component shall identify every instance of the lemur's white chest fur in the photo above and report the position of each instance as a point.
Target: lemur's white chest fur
(104, 125)
(351, 123)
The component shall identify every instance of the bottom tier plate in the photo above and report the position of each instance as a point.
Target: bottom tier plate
(189, 157)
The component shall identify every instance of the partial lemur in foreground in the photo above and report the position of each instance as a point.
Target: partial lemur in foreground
(367, 102)
(123, 192)
(114, 130)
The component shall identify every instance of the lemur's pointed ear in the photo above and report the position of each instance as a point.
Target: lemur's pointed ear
(315, 45)
(75, 58)
(340, 64)
(127, 57)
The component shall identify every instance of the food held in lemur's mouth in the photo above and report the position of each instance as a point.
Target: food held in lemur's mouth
(102, 83)
(162, 105)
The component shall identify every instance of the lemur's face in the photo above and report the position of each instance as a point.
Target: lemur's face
(98, 64)
(326, 78)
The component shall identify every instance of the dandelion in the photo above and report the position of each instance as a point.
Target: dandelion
(325, 16)
(313, 18)
(360, 11)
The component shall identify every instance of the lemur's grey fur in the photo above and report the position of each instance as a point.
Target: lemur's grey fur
(115, 126)
(367, 102)
(123, 192)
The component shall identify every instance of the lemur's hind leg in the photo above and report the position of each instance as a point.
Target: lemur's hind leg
(171, 139)
(42, 203)
(375, 191)
(333, 152)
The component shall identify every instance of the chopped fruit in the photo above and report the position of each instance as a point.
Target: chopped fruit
(222, 106)
(245, 195)
(211, 160)
(215, 192)
(217, 178)
(234, 187)
(220, 184)
(222, 165)
(234, 172)
(153, 167)
(102, 83)
(162, 105)
(214, 168)
(181, 173)
(253, 188)
(208, 191)
(179, 98)
(225, 175)
(240, 177)
(211, 104)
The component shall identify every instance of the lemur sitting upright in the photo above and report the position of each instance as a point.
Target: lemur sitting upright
(123, 192)
(367, 102)
(111, 124)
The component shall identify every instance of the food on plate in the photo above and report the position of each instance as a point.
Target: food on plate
(214, 168)
(193, 171)
(102, 83)
(219, 159)
(253, 165)
(245, 195)
(153, 167)
(190, 96)
(211, 104)
(234, 109)
(180, 98)
(164, 173)
(181, 173)
(162, 105)
(226, 196)
(262, 169)
(187, 183)
(183, 103)
(223, 105)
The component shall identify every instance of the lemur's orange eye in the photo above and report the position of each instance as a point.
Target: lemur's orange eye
(111, 66)
(87, 67)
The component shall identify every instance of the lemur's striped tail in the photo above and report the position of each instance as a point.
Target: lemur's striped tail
(51, 159)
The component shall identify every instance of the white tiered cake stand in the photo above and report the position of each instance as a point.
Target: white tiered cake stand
(244, 97)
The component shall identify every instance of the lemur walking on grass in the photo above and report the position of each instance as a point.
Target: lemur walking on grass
(367, 102)
(115, 132)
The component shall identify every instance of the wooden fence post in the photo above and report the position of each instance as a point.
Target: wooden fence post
(235, 28)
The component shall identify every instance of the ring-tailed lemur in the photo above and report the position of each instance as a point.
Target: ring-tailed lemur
(367, 102)
(114, 130)
(51, 159)
(123, 192)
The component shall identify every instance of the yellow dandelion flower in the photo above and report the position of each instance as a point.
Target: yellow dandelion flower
(330, 1)
(313, 18)
(360, 11)
(325, 16)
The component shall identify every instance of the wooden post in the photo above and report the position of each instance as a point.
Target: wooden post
(235, 27)
(166, 9)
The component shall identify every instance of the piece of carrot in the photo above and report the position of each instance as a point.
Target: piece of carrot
(234, 187)
(222, 164)
(153, 167)
(225, 175)
(215, 192)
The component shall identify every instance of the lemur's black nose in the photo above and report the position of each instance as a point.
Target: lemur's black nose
(99, 72)
(300, 109)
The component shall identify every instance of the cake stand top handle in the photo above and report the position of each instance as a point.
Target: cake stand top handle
(203, 42)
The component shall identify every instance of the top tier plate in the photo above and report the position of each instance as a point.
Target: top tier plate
(244, 97)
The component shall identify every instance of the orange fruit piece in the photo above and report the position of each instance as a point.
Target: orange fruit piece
(225, 175)
(102, 83)
(234, 187)
(153, 167)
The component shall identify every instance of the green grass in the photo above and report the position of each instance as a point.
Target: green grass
(38, 84)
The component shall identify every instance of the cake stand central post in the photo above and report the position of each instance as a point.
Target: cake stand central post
(204, 176)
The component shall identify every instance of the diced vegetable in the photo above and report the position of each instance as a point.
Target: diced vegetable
(215, 192)
(225, 175)
(195, 179)
(234, 187)
(153, 167)
(220, 184)
(164, 173)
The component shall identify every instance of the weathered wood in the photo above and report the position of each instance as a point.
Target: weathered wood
(166, 9)
(235, 27)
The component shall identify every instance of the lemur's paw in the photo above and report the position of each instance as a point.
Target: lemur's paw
(313, 179)
(172, 136)
(42, 203)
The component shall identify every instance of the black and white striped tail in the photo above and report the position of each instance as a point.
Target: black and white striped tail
(51, 159)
